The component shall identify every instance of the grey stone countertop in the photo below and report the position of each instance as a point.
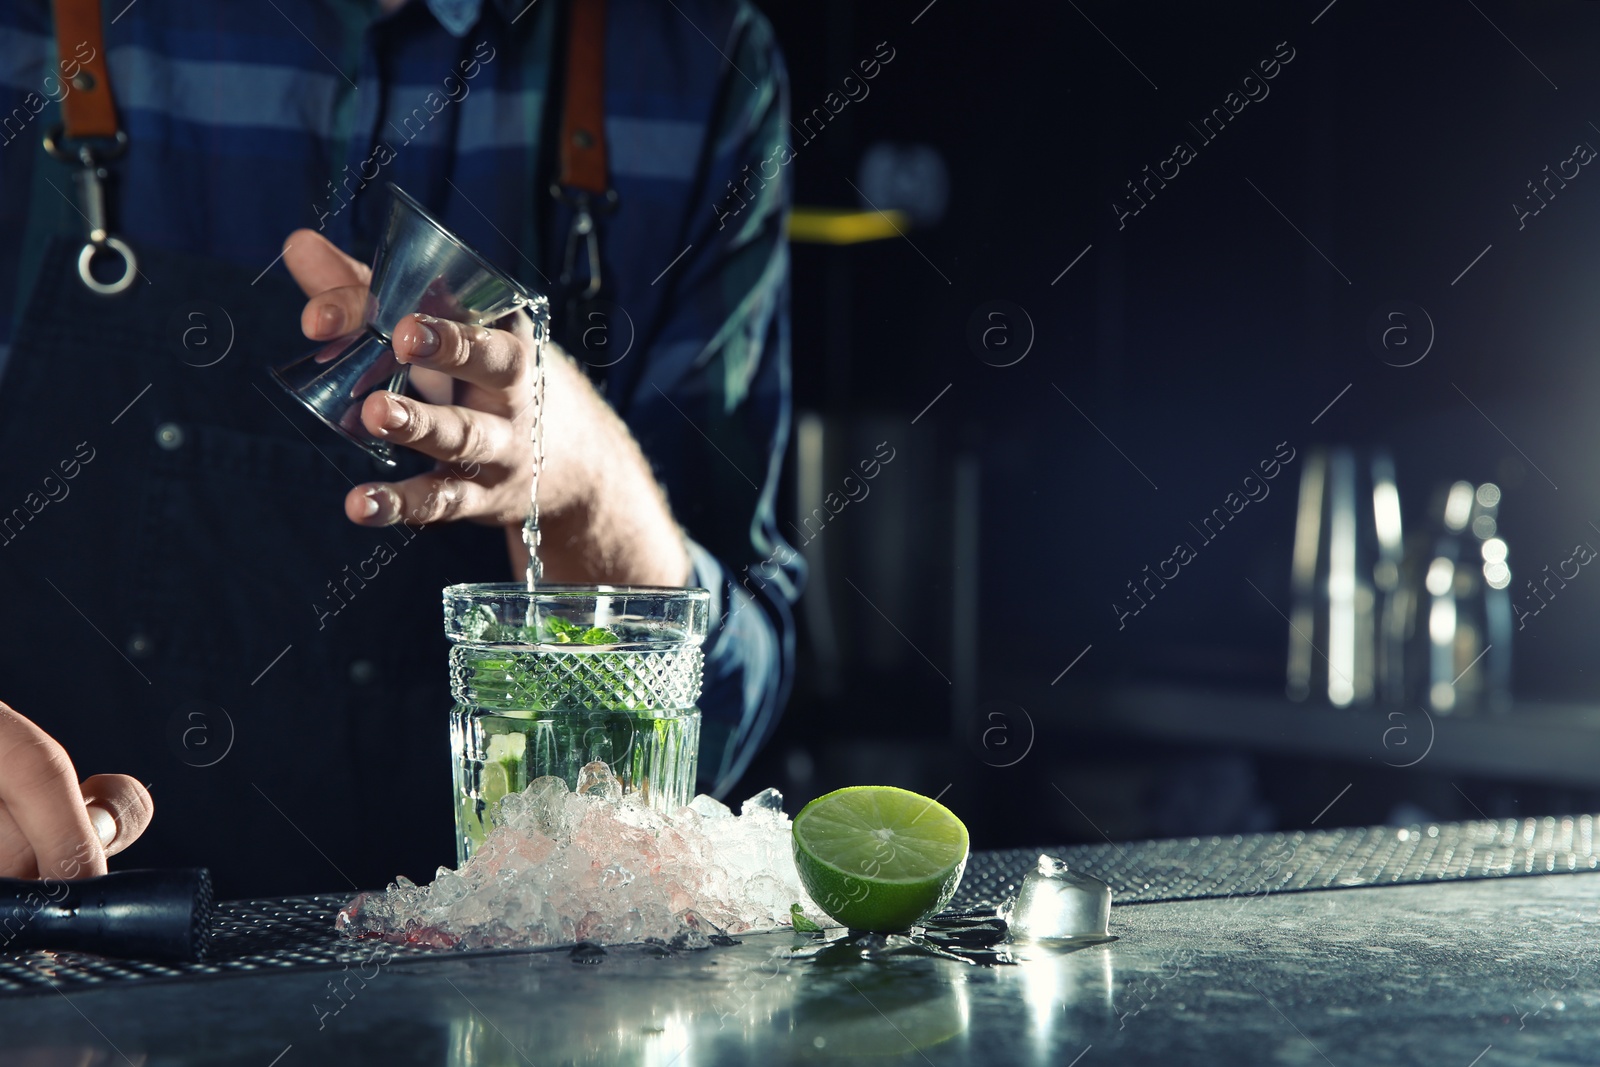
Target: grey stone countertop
(1465, 974)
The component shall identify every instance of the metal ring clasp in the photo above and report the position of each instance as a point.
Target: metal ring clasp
(86, 258)
(91, 177)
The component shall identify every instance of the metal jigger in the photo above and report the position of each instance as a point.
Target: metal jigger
(419, 266)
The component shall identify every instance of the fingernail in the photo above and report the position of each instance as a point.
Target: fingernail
(105, 827)
(422, 338)
(330, 320)
(395, 415)
(380, 501)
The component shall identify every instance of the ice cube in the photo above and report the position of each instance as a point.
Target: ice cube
(479, 623)
(541, 806)
(597, 780)
(448, 888)
(769, 800)
(708, 807)
(1055, 902)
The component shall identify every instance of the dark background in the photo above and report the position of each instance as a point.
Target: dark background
(1208, 330)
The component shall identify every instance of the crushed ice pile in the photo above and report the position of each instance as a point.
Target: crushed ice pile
(592, 865)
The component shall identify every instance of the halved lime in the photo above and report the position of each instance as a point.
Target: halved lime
(879, 858)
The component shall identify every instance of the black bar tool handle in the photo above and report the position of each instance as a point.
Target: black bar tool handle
(150, 914)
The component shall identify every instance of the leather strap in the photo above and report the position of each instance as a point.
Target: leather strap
(87, 110)
(583, 113)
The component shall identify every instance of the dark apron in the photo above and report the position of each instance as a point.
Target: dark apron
(161, 547)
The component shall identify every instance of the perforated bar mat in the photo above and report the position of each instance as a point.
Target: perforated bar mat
(297, 932)
(1194, 868)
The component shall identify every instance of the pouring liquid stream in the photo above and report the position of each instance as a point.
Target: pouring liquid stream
(530, 525)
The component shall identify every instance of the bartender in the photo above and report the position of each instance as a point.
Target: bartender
(185, 605)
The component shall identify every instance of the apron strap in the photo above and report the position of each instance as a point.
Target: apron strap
(583, 114)
(88, 109)
(583, 181)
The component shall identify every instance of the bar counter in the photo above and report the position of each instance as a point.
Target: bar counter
(1461, 944)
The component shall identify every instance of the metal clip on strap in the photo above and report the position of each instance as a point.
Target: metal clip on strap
(89, 114)
(583, 232)
(90, 179)
(582, 181)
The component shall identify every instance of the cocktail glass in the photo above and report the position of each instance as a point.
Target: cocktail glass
(550, 681)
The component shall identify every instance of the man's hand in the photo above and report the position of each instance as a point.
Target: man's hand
(50, 825)
(603, 516)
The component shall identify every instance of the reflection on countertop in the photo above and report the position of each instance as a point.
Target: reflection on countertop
(822, 1007)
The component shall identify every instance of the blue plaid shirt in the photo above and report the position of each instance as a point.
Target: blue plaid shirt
(247, 121)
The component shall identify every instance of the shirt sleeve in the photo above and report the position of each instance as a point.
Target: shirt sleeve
(713, 412)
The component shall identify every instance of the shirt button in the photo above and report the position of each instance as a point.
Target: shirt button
(138, 646)
(169, 435)
(363, 671)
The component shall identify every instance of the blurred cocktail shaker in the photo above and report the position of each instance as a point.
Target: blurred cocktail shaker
(1378, 617)
(1344, 642)
(1458, 579)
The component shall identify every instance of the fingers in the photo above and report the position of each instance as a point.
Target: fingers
(336, 284)
(334, 312)
(494, 359)
(317, 264)
(438, 496)
(119, 809)
(16, 855)
(446, 432)
(40, 790)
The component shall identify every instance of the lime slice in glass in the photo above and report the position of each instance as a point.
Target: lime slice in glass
(502, 767)
(879, 858)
